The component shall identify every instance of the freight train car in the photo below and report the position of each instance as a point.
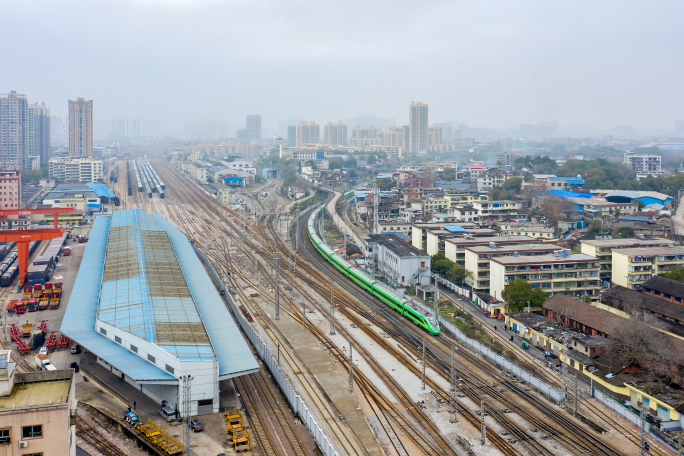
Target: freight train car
(389, 297)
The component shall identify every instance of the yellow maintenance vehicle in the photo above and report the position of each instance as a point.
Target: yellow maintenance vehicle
(237, 434)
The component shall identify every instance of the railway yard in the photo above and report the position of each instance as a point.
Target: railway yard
(400, 400)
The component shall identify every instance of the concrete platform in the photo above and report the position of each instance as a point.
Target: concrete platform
(331, 378)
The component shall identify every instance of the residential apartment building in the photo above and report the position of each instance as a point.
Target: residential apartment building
(38, 133)
(477, 258)
(603, 250)
(418, 127)
(571, 274)
(396, 227)
(633, 267)
(37, 410)
(81, 128)
(10, 189)
(419, 232)
(359, 132)
(498, 209)
(535, 230)
(436, 240)
(254, 127)
(491, 179)
(291, 136)
(643, 163)
(435, 135)
(335, 134)
(507, 159)
(14, 131)
(207, 128)
(397, 261)
(75, 169)
(308, 133)
(454, 248)
(563, 183)
(464, 213)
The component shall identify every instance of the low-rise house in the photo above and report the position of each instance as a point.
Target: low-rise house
(454, 248)
(498, 209)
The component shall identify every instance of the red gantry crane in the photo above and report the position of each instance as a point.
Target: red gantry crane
(24, 237)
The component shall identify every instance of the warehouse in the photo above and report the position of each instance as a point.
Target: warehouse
(147, 308)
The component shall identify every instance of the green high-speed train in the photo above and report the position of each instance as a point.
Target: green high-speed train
(381, 291)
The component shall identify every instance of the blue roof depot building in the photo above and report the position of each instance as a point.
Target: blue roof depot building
(145, 306)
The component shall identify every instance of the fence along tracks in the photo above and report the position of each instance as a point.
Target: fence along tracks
(388, 422)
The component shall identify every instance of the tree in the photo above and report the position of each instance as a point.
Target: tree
(440, 264)
(351, 163)
(458, 273)
(352, 174)
(430, 174)
(384, 184)
(371, 159)
(336, 163)
(626, 232)
(596, 226)
(677, 273)
(518, 293)
(555, 209)
(449, 174)
(513, 184)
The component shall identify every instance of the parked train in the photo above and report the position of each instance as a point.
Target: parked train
(44, 265)
(381, 291)
(11, 265)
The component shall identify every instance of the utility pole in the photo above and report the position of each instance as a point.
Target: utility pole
(185, 409)
(574, 413)
(332, 307)
(351, 369)
(453, 417)
(642, 436)
(483, 426)
(277, 284)
(423, 377)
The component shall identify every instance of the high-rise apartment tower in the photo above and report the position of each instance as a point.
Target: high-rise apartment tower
(254, 127)
(418, 127)
(81, 128)
(14, 128)
(308, 133)
(39, 132)
(335, 134)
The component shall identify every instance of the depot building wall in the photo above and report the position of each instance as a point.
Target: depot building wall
(204, 385)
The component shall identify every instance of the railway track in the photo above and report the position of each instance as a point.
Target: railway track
(302, 269)
(97, 440)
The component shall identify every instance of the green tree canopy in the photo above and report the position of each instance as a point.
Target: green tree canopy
(677, 273)
(513, 184)
(449, 174)
(458, 273)
(384, 184)
(519, 292)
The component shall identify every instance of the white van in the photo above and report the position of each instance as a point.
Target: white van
(168, 413)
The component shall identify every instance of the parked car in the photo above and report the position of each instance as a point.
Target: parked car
(168, 413)
(43, 351)
(196, 425)
(74, 366)
(75, 349)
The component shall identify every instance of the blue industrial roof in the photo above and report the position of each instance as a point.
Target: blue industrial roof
(360, 194)
(455, 229)
(233, 179)
(385, 176)
(232, 351)
(101, 190)
(567, 194)
(81, 312)
(153, 286)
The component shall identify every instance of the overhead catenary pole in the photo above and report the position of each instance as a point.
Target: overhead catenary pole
(642, 436)
(351, 368)
(483, 426)
(423, 377)
(574, 412)
(277, 286)
(453, 417)
(332, 307)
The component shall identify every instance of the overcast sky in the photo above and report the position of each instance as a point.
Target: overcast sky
(493, 63)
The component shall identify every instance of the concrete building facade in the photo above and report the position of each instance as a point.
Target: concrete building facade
(335, 134)
(308, 133)
(633, 267)
(14, 131)
(10, 189)
(254, 127)
(75, 169)
(571, 274)
(418, 127)
(396, 260)
(81, 128)
(643, 163)
(39, 133)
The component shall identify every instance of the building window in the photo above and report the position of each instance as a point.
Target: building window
(4, 436)
(169, 369)
(103, 331)
(134, 349)
(152, 359)
(117, 339)
(32, 432)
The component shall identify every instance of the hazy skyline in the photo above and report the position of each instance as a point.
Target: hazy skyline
(494, 64)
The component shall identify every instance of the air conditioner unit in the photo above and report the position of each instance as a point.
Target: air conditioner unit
(23, 444)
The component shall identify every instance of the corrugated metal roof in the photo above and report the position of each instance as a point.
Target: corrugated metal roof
(232, 351)
(634, 218)
(79, 318)
(455, 229)
(144, 291)
(101, 190)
